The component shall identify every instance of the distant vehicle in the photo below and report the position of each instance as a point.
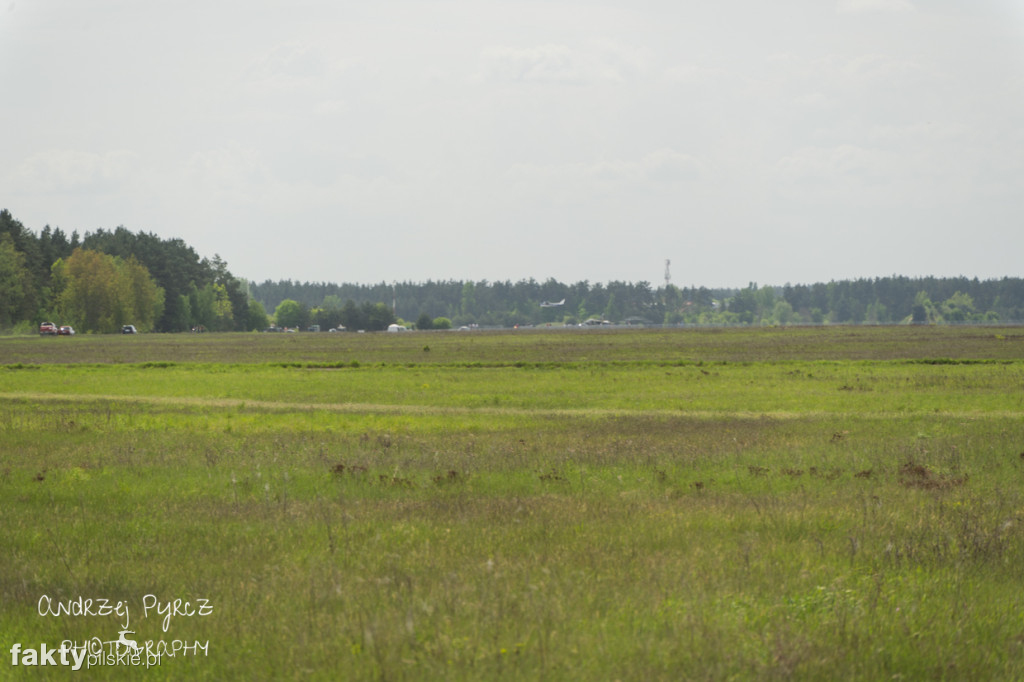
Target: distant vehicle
(635, 322)
(314, 328)
(594, 322)
(397, 328)
(129, 329)
(48, 329)
(66, 331)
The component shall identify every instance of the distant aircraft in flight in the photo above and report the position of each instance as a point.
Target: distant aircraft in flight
(545, 304)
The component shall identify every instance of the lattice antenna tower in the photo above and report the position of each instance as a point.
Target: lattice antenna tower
(668, 273)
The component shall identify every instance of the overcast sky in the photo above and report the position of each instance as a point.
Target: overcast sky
(787, 141)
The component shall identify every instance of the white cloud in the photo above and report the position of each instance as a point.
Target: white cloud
(821, 163)
(667, 165)
(698, 74)
(880, 66)
(334, 107)
(663, 169)
(69, 170)
(924, 168)
(626, 61)
(294, 65)
(840, 174)
(858, 6)
(560, 64)
(292, 60)
(229, 173)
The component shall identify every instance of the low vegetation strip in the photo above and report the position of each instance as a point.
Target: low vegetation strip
(837, 387)
(403, 408)
(592, 346)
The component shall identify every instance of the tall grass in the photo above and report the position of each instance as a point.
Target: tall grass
(616, 519)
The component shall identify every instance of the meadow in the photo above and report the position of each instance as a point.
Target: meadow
(799, 503)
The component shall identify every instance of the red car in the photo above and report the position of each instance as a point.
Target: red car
(66, 331)
(48, 329)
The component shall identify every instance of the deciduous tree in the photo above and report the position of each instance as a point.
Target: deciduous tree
(290, 314)
(100, 293)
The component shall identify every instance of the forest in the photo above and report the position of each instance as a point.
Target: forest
(107, 278)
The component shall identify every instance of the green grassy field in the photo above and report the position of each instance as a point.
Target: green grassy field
(810, 503)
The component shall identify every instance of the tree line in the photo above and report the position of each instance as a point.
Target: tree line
(881, 300)
(484, 303)
(107, 278)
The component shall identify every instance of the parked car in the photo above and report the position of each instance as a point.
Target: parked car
(129, 329)
(48, 329)
(66, 331)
